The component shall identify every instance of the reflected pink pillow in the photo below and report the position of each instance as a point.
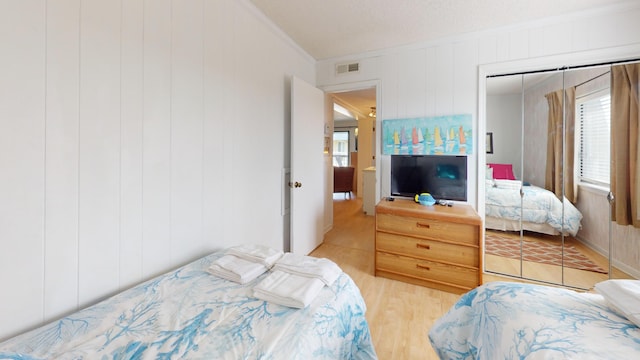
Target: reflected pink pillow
(502, 171)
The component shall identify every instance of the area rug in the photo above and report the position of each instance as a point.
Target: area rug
(545, 251)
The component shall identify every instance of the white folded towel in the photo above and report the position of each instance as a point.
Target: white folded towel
(256, 253)
(320, 268)
(235, 269)
(288, 289)
(508, 184)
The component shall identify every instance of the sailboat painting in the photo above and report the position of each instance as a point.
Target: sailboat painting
(439, 135)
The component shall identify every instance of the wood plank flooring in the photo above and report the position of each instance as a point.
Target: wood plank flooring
(399, 314)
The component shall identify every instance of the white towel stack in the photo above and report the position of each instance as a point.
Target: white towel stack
(236, 269)
(296, 280)
(288, 289)
(323, 269)
(257, 253)
(244, 263)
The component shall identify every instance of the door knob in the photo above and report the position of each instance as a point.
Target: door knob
(610, 197)
(296, 184)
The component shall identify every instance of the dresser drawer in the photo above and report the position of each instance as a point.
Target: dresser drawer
(427, 270)
(431, 228)
(428, 249)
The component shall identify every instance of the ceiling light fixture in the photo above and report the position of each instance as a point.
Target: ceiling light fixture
(373, 112)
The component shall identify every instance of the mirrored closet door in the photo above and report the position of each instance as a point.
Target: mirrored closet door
(503, 202)
(542, 238)
(547, 191)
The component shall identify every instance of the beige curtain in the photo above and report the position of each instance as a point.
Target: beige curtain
(559, 162)
(624, 143)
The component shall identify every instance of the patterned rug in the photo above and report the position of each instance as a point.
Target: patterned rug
(546, 251)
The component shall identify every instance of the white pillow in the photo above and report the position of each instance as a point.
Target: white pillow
(489, 173)
(508, 184)
(623, 296)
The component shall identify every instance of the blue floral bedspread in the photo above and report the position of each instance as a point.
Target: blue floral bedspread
(191, 314)
(538, 206)
(503, 320)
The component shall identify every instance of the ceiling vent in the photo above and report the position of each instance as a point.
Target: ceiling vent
(347, 68)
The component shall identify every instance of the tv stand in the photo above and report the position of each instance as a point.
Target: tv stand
(435, 246)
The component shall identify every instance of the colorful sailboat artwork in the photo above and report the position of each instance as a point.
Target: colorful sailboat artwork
(438, 147)
(396, 142)
(428, 141)
(462, 141)
(451, 140)
(446, 135)
(417, 140)
(403, 141)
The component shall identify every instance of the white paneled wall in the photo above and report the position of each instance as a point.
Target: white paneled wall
(135, 136)
(187, 122)
(156, 136)
(22, 161)
(217, 160)
(61, 157)
(441, 77)
(99, 150)
(131, 146)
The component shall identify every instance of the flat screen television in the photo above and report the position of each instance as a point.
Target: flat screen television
(443, 176)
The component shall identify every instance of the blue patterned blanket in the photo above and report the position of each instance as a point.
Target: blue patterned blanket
(501, 320)
(538, 206)
(191, 314)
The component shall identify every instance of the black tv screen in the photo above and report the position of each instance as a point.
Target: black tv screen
(443, 176)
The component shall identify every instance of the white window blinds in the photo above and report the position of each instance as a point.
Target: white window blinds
(594, 116)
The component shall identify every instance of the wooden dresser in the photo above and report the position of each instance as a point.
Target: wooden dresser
(435, 246)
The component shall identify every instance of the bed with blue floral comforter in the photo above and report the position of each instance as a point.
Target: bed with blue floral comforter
(501, 320)
(537, 205)
(191, 314)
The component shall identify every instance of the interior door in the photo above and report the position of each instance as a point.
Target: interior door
(307, 180)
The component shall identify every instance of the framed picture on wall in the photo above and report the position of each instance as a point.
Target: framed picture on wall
(432, 135)
(489, 143)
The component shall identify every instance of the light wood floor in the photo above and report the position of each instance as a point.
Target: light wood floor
(399, 314)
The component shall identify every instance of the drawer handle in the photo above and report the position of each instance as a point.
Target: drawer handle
(423, 246)
(421, 225)
(424, 267)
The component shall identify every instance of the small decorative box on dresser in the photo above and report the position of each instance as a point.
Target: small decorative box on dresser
(435, 246)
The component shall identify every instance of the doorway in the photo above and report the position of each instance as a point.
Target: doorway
(354, 117)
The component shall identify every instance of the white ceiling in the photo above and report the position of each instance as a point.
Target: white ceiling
(336, 28)
(359, 100)
(339, 28)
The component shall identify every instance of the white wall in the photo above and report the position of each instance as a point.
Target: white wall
(441, 77)
(129, 133)
(504, 120)
(415, 82)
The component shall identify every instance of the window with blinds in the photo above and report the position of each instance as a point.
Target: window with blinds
(593, 114)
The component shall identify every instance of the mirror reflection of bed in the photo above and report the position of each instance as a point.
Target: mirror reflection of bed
(542, 249)
(533, 198)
